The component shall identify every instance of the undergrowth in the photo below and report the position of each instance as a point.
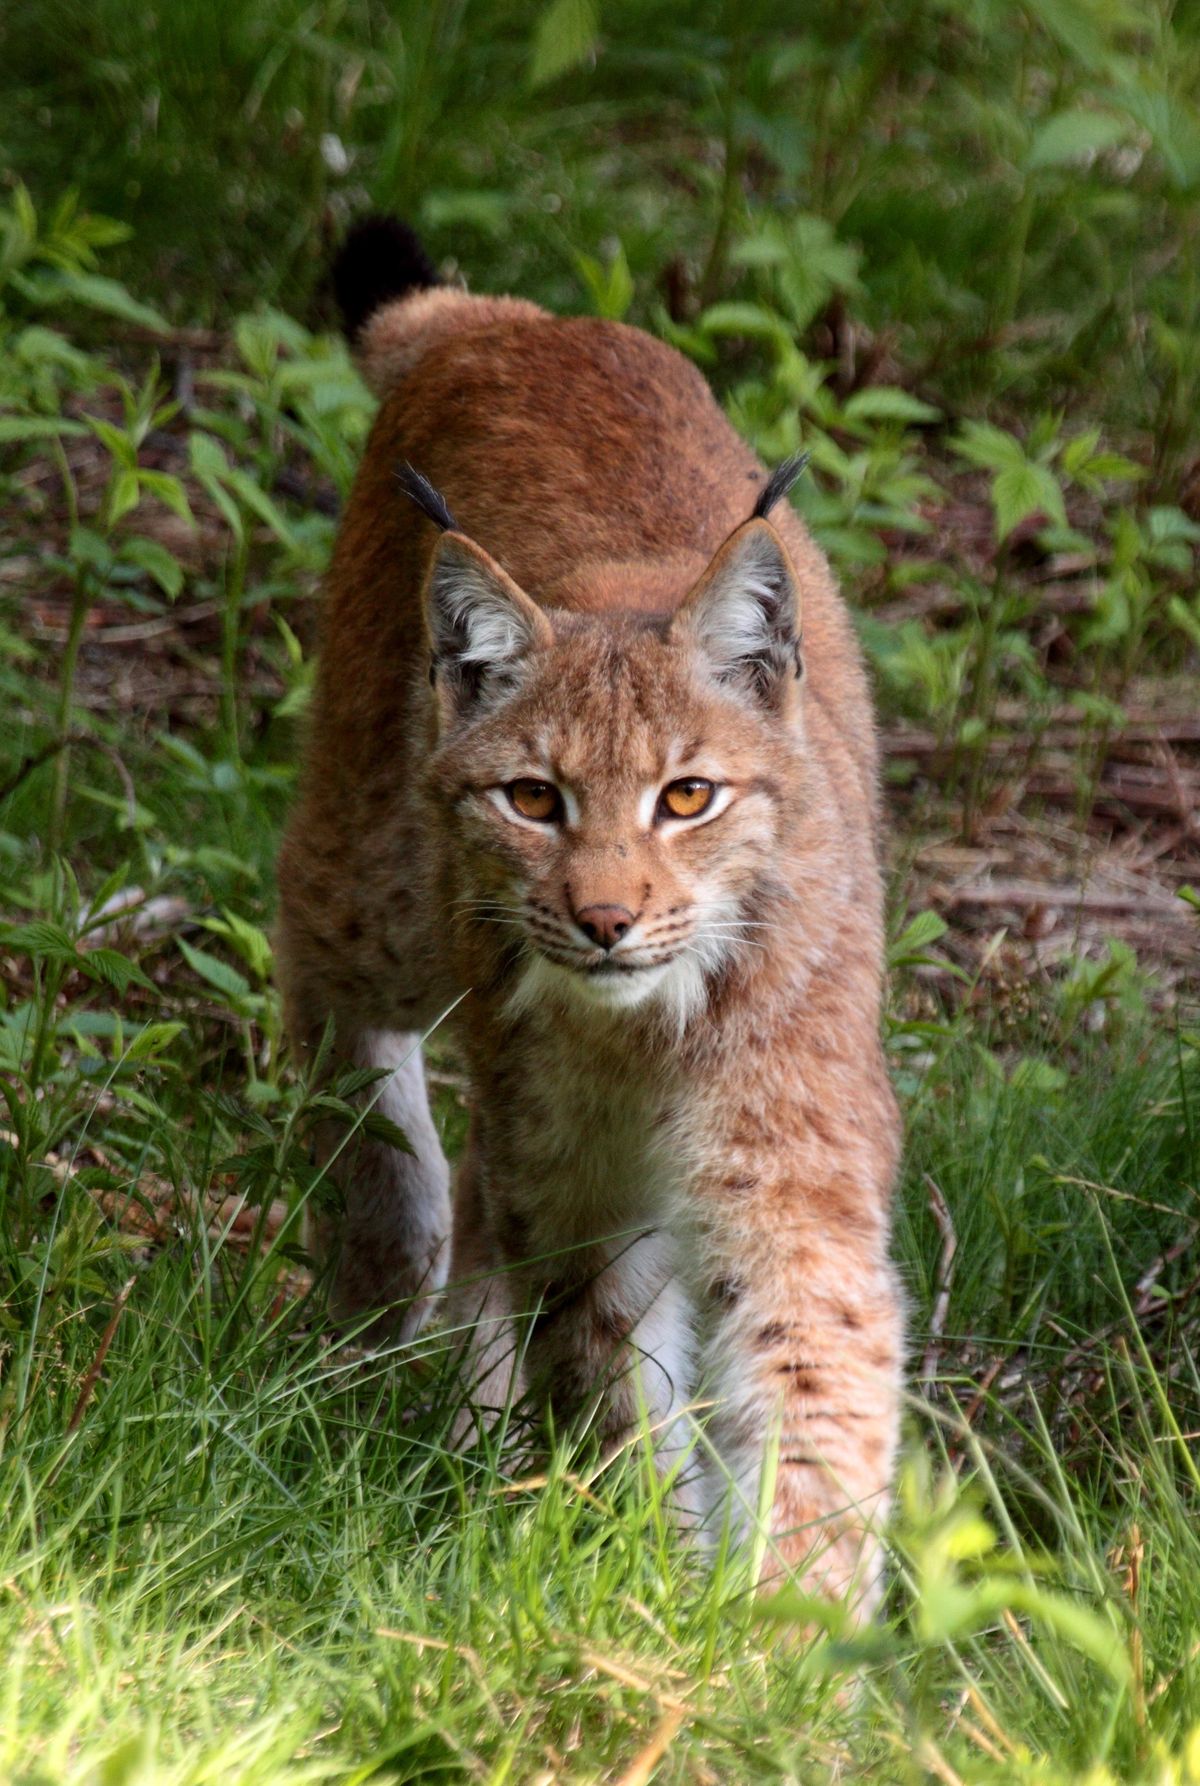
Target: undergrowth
(948, 251)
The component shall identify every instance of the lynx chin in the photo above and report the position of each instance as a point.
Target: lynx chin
(571, 765)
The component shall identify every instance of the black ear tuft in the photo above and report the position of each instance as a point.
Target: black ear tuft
(779, 483)
(379, 260)
(431, 502)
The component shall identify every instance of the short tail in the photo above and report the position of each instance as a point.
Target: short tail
(394, 307)
(380, 260)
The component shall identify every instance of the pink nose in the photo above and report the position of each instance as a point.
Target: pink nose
(604, 925)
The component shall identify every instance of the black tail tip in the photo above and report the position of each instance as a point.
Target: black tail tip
(380, 259)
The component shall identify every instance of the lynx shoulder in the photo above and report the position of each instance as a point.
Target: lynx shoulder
(592, 762)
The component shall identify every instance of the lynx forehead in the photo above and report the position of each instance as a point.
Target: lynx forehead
(571, 773)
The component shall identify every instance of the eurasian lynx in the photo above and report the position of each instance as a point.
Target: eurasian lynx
(565, 767)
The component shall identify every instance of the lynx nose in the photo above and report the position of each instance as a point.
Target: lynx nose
(604, 925)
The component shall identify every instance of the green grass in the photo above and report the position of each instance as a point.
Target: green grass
(222, 1559)
(949, 250)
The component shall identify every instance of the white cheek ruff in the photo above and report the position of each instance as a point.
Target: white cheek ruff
(676, 989)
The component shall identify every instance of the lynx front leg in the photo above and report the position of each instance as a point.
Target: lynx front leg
(478, 1311)
(617, 1334)
(391, 1252)
(808, 1345)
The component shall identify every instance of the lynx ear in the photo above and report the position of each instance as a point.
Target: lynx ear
(481, 626)
(744, 613)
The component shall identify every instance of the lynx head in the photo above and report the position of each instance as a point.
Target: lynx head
(616, 786)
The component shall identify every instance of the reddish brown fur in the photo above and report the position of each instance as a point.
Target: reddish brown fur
(729, 1172)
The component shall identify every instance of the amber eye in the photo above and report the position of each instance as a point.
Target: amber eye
(686, 799)
(535, 800)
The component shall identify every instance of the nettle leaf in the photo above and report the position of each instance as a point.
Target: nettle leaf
(39, 939)
(991, 448)
(356, 1079)
(87, 547)
(1074, 136)
(124, 496)
(159, 564)
(218, 973)
(114, 969)
(169, 491)
(908, 949)
(256, 499)
(1023, 490)
(563, 37)
(382, 1128)
(249, 940)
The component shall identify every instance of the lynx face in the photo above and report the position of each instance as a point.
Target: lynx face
(616, 787)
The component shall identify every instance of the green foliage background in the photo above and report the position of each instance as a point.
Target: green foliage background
(950, 248)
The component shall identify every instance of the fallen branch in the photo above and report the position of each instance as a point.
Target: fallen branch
(939, 1209)
(1074, 898)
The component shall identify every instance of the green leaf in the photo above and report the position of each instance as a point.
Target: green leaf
(992, 448)
(117, 442)
(15, 428)
(169, 491)
(40, 940)
(488, 212)
(382, 1128)
(1185, 619)
(908, 948)
(114, 969)
(1087, 1631)
(884, 403)
(611, 287)
(90, 549)
(563, 37)
(223, 978)
(255, 498)
(250, 940)
(1074, 136)
(1023, 490)
(156, 561)
(1082, 29)
(206, 455)
(123, 496)
(109, 297)
(153, 1040)
(751, 320)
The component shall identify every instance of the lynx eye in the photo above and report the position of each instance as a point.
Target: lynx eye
(539, 800)
(686, 799)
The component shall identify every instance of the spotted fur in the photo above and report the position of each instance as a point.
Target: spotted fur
(682, 1150)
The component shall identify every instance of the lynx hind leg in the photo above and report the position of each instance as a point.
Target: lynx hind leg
(391, 1248)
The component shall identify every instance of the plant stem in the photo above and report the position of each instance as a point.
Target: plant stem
(231, 615)
(81, 601)
(1010, 290)
(714, 267)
